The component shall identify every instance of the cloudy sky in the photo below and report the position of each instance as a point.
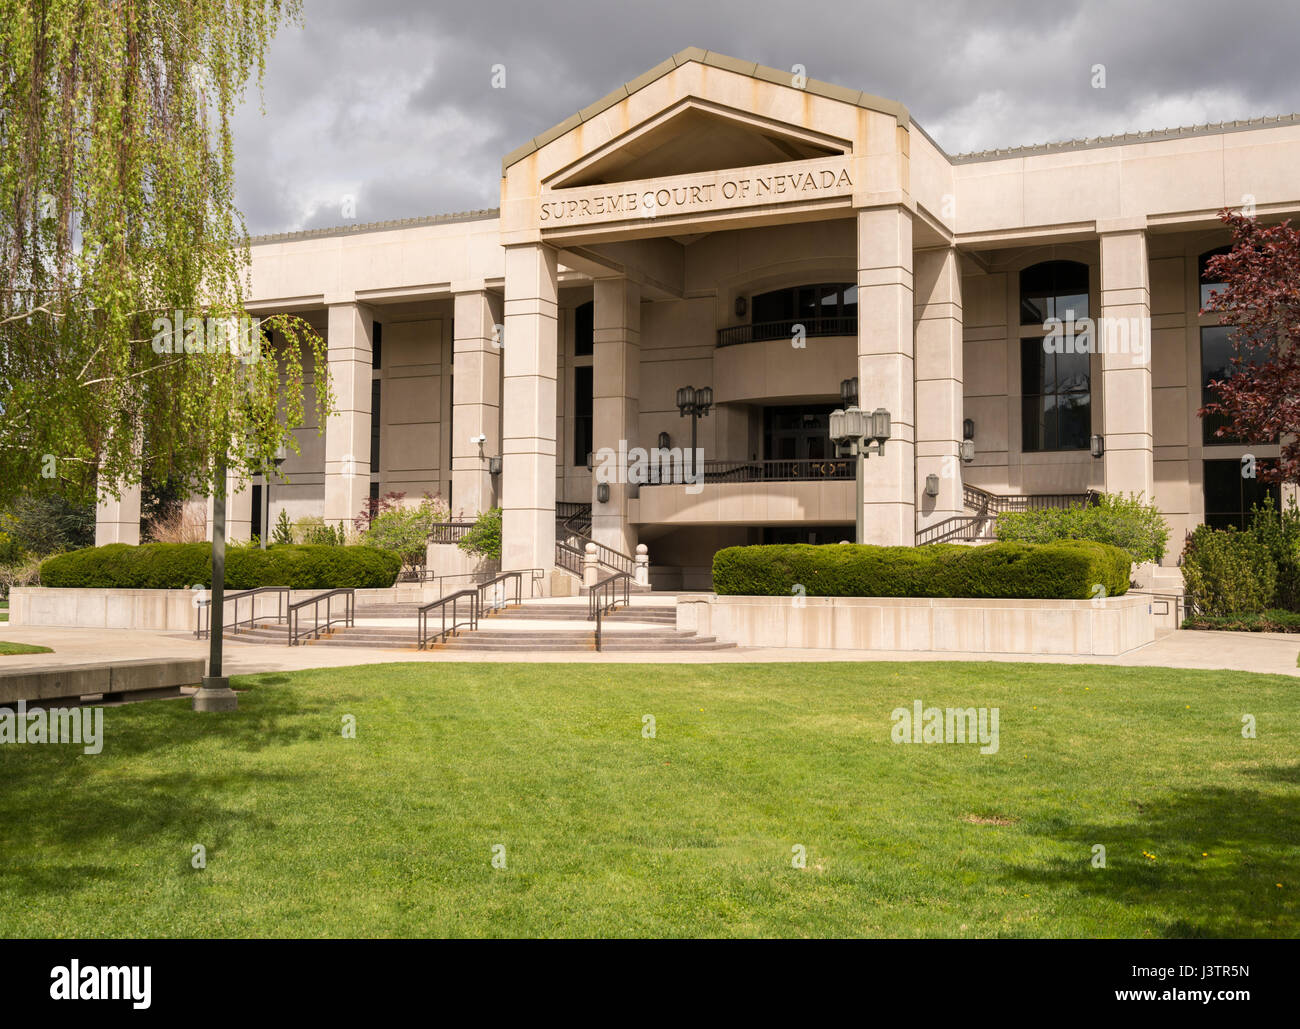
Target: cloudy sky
(391, 102)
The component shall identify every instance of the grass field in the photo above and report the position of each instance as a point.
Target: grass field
(10, 647)
(692, 832)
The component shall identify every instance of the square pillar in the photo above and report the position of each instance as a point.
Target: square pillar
(1124, 339)
(939, 399)
(347, 432)
(528, 399)
(476, 400)
(616, 404)
(886, 369)
(118, 521)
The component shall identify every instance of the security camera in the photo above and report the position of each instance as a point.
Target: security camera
(480, 439)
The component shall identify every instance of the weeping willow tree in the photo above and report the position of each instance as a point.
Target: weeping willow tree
(124, 345)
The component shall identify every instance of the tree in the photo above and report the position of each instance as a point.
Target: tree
(1260, 400)
(125, 350)
(283, 532)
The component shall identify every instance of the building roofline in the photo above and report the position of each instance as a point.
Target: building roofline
(714, 60)
(484, 214)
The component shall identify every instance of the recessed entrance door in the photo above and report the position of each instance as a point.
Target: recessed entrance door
(799, 433)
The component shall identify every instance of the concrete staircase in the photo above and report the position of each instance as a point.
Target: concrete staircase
(533, 627)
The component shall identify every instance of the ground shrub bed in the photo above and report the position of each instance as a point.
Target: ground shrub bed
(1068, 570)
(183, 565)
(1264, 621)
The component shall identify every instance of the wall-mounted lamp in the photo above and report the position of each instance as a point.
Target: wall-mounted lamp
(932, 485)
(968, 450)
(1098, 444)
(742, 306)
(589, 461)
(494, 466)
(849, 392)
(665, 441)
(968, 429)
(602, 492)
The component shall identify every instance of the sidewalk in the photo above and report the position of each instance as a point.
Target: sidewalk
(1273, 653)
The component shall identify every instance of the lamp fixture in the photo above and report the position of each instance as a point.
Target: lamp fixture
(1098, 444)
(665, 441)
(849, 392)
(494, 466)
(968, 429)
(968, 450)
(932, 485)
(602, 492)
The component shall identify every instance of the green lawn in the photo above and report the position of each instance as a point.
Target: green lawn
(10, 647)
(690, 833)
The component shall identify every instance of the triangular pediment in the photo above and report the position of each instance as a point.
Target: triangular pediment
(691, 137)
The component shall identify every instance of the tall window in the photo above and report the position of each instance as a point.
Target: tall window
(582, 419)
(1055, 375)
(1216, 365)
(1208, 281)
(1230, 495)
(377, 346)
(1053, 289)
(584, 332)
(376, 420)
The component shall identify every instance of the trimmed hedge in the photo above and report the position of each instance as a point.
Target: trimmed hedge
(161, 566)
(1069, 570)
(1265, 621)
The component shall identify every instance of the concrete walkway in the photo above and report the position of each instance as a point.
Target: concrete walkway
(1231, 651)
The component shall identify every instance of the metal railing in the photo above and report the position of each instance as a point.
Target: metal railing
(960, 527)
(987, 506)
(569, 558)
(348, 618)
(500, 599)
(604, 597)
(779, 471)
(203, 610)
(758, 332)
(449, 532)
(452, 600)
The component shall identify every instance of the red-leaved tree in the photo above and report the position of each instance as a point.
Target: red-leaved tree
(1260, 399)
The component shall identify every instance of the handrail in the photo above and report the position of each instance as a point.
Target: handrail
(204, 606)
(454, 599)
(959, 527)
(784, 328)
(596, 608)
(797, 470)
(568, 557)
(348, 618)
(607, 556)
(448, 532)
(500, 580)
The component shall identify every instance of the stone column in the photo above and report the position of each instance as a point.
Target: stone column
(239, 510)
(347, 432)
(529, 408)
(616, 404)
(885, 369)
(1124, 338)
(939, 401)
(118, 521)
(476, 400)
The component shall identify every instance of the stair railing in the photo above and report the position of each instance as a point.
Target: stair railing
(605, 596)
(203, 610)
(347, 618)
(452, 601)
(498, 586)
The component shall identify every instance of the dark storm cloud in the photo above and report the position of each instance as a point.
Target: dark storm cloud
(389, 105)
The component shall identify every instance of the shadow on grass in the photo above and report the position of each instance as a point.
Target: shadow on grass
(1203, 863)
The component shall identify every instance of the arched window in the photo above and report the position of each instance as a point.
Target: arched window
(1055, 365)
(1053, 289)
(823, 309)
(1209, 282)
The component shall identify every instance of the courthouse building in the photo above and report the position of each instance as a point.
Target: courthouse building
(721, 225)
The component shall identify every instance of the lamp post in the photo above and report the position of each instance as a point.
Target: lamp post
(851, 428)
(214, 693)
(696, 403)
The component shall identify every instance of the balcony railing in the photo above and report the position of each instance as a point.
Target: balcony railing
(779, 471)
(758, 332)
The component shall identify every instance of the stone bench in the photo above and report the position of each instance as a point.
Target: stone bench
(142, 679)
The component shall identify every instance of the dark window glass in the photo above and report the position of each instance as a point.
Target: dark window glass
(1053, 289)
(377, 345)
(1208, 283)
(1229, 495)
(374, 495)
(584, 332)
(376, 420)
(797, 433)
(259, 527)
(1216, 364)
(582, 420)
(815, 534)
(823, 309)
(1056, 399)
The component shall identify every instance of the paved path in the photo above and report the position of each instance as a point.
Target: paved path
(1234, 651)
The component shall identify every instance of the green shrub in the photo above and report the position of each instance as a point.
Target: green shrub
(1267, 621)
(1227, 572)
(314, 532)
(1066, 570)
(484, 538)
(181, 565)
(404, 530)
(1278, 532)
(283, 531)
(1124, 522)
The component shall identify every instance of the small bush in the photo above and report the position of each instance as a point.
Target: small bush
(181, 565)
(484, 538)
(1227, 572)
(1068, 570)
(1124, 522)
(314, 532)
(1266, 621)
(1278, 532)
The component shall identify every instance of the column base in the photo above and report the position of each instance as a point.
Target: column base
(215, 694)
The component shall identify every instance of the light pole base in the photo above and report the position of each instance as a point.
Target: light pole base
(215, 694)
